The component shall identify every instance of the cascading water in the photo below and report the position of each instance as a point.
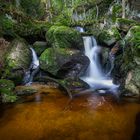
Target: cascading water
(34, 67)
(95, 76)
(35, 61)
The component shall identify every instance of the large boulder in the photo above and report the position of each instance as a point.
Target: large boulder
(128, 64)
(18, 60)
(109, 37)
(63, 62)
(65, 37)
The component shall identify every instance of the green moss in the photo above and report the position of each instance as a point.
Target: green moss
(133, 40)
(64, 37)
(125, 24)
(6, 90)
(109, 36)
(53, 58)
(39, 47)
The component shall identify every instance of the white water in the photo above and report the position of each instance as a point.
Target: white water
(35, 60)
(80, 29)
(28, 78)
(94, 76)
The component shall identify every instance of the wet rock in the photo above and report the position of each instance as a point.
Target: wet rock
(74, 84)
(25, 91)
(63, 62)
(39, 47)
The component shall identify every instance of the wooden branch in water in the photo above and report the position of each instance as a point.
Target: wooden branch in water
(47, 78)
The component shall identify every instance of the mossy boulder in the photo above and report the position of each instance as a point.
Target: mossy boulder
(109, 37)
(63, 62)
(64, 37)
(18, 60)
(128, 63)
(39, 47)
(6, 90)
(125, 24)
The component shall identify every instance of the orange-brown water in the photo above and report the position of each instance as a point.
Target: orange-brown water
(49, 115)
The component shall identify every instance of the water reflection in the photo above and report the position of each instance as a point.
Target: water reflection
(52, 116)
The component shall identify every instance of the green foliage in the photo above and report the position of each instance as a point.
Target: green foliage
(34, 8)
(116, 11)
(133, 39)
(6, 25)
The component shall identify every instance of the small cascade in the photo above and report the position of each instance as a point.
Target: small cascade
(35, 60)
(34, 67)
(95, 76)
(80, 29)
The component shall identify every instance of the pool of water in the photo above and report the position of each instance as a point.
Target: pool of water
(51, 115)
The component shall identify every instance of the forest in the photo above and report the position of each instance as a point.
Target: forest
(70, 69)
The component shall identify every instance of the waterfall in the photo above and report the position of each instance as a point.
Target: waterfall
(34, 67)
(35, 61)
(94, 75)
(80, 29)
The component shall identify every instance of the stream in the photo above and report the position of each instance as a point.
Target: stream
(50, 115)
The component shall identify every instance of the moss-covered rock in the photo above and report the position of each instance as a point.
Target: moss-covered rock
(39, 47)
(19, 56)
(64, 37)
(125, 24)
(128, 64)
(6, 90)
(18, 59)
(74, 84)
(63, 61)
(109, 37)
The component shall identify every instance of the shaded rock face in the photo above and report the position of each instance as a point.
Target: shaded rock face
(127, 65)
(18, 60)
(63, 62)
(39, 47)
